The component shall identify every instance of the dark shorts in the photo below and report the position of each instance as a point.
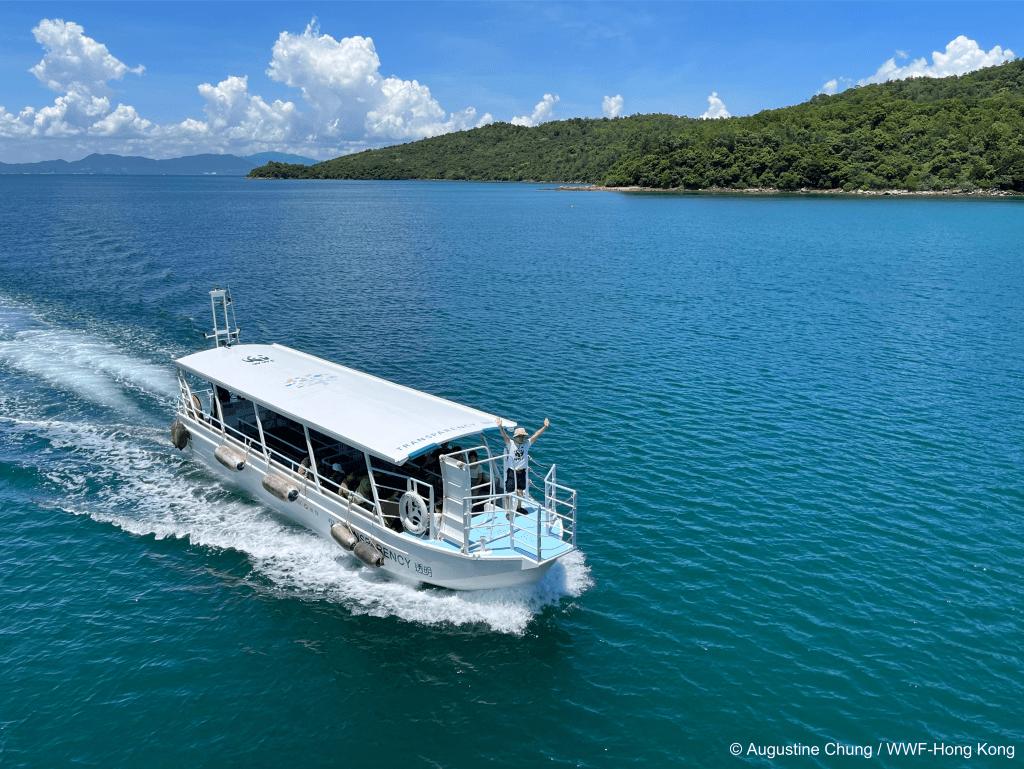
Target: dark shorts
(515, 480)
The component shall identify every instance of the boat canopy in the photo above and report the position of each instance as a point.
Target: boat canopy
(377, 416)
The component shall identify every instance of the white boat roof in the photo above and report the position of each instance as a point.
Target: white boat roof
(383, 418)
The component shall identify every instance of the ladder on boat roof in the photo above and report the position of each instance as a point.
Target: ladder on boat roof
(227, 336)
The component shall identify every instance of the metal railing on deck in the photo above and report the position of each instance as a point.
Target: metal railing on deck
(304, 476)
(392, 485)
(554, 517)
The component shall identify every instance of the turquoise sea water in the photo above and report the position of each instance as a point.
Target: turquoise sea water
(794, 423)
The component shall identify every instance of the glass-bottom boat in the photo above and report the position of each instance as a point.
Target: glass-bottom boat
(406, 481)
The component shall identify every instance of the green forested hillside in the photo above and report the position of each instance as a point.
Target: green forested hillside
(955, 133)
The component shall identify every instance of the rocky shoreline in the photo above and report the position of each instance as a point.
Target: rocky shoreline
(802, 191)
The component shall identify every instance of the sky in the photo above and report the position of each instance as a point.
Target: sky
(322, 79)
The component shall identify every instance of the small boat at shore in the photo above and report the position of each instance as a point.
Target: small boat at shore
(406, 481)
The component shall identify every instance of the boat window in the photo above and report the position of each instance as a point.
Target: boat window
(342, 467)
(393, 481)
(285, 437)
(238, 412)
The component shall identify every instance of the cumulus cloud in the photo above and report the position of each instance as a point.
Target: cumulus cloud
(835, 85)
(74, 62)
(340, 80)
(612, 106)
(716, 108)
(79, 68)
(408, 111)
(541, 113)
(350, 105)
(962, 55)
(123, 121)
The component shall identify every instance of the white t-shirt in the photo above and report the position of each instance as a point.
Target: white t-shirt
(516, 456)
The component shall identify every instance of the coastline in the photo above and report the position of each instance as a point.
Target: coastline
(801, 191)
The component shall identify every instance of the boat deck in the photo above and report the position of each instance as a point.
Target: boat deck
(494, 528)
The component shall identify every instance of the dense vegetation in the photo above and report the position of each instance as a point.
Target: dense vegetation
(962, 132)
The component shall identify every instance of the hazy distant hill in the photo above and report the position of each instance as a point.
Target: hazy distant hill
(962, 132)
(193, 165)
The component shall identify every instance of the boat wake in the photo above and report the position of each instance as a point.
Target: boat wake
(119, 474)
(125, 473)
(77, 362)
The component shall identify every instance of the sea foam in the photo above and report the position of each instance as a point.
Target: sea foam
(74, 361)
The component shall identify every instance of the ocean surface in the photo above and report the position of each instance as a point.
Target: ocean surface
(795, 425)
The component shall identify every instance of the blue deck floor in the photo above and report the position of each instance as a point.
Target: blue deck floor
(494, 527)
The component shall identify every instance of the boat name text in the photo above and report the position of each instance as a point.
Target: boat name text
(435, 434)
(401, 560)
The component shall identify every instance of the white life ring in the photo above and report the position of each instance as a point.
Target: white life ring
(413, 512)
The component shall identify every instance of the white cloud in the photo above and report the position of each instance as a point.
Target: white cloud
(79, 68)
(410, 112)
(74, 62)
(123, 121)
(716, 108)
(340, 80)
(541, 113)
(962, 55)
(612, 106)
(350, 104)
(835, 85)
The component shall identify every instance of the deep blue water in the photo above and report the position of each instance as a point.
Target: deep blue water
(794, 423)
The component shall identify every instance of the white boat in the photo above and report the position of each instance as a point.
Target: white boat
(406, 481)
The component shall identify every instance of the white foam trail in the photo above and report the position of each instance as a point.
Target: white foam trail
(148, 491)
(72, 360)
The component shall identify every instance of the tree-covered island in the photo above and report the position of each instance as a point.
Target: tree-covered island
(963, 133)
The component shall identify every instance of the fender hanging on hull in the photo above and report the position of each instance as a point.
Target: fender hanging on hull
(343, 535)
(179, 435)
(230, 458)
(368, 554)
(280, 487)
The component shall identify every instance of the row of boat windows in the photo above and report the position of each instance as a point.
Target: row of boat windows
(340, 468)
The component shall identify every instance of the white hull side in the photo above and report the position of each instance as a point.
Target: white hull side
(404, 556)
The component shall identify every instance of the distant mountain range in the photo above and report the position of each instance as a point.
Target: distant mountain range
(193, 165)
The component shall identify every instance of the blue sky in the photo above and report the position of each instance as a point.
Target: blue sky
(434, 67)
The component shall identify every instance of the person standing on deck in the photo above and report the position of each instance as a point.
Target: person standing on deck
(517, 456)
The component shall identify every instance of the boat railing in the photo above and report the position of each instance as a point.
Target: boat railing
(392, 486)
(490, 515)
(303, 474)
